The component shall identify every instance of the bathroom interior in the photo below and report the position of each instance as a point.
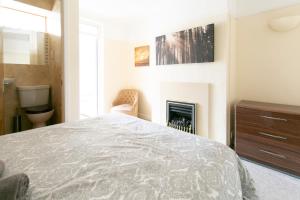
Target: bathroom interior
(31, 65)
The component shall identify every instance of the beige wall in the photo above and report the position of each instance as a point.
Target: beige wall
(268, 65)
(116, 59)
(148, 79)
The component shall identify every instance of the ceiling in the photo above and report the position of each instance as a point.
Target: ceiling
(139, 10)
(250, 7)
(145, 9)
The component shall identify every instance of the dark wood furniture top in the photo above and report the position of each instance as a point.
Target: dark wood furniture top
(281, 108)
(269, 133)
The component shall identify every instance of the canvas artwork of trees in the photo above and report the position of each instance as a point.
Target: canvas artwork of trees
(195, 45)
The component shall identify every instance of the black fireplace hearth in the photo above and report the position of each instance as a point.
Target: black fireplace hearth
(181, 116)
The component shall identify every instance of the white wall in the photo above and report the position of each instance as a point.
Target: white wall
(148, 79)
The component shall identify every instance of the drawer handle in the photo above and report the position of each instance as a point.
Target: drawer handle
(274, 118)
(273, 136)
(273, 154)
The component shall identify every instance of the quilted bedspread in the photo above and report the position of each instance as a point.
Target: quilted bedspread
(121, 157)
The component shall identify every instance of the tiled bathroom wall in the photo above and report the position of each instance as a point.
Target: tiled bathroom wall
(56, 63)
(56, 77)
(1, 101)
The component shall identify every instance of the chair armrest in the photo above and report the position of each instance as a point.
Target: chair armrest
(135, 102)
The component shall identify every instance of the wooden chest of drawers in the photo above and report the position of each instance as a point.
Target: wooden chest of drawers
(269, 133)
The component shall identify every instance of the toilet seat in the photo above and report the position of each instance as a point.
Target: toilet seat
(38, 109)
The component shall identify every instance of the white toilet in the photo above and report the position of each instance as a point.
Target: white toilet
(35, 101)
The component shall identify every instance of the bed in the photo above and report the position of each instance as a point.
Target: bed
(121, 157)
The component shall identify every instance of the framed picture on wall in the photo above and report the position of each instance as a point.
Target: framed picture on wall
(142, 56)
(195, 45)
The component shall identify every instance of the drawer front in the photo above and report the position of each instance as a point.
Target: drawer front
(277, 123)
(265, 136)
(276, 157)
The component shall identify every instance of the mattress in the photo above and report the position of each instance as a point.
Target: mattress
(121, 157)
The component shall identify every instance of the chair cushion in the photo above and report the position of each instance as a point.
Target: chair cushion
(122, 108)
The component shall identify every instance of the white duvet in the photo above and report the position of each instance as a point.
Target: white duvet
(120, 157)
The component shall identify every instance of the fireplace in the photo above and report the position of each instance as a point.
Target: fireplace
(181, 116)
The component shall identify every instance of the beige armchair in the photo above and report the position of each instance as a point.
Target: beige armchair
(126, 102)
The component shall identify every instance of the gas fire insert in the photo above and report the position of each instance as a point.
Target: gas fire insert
(181, 116)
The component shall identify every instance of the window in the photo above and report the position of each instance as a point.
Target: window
(89, 70)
